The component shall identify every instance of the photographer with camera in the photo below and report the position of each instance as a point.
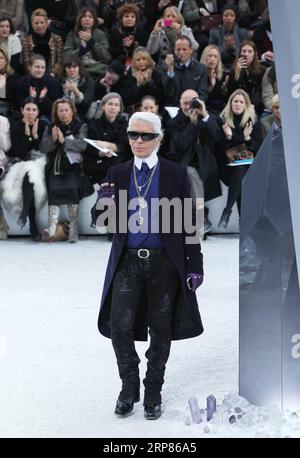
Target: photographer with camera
(181, 72)
(193, 133)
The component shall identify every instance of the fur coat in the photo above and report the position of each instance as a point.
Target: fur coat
(11, 185)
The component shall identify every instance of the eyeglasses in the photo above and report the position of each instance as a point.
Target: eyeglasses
(144, 136)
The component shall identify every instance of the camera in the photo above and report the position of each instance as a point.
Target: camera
(167, 22)
(195, 103)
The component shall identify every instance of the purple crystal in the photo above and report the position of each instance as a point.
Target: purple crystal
(232, 419)
(195, 411)
(211, 404)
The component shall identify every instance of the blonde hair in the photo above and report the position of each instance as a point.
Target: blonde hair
(8, 68)
(145, 53)
(39, 12)
(275, 100)
(203, 59)
(175, 11)
(249, 112)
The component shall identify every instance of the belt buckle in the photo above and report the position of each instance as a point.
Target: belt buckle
(140, 253)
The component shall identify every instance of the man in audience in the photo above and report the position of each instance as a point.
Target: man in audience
(192, 134)
(267, 121)
(181, 72)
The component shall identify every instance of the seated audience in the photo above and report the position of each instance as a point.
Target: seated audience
(89, 43)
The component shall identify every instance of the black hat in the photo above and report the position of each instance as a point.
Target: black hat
(117, 67)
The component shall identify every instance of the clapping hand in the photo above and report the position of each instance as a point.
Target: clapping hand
(85, 35)
(229, 42)
(32, 92)
(60, 135)
(248, 130)
(43, 92)
(227, 131)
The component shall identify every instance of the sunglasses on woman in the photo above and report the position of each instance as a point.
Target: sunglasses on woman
(144, 136)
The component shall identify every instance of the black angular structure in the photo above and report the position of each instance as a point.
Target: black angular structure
(269, 287)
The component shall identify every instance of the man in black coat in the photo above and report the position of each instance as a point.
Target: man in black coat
(192, 134)
(153, 271)
(181, 72)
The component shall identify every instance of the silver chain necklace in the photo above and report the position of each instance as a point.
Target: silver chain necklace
(142, 197)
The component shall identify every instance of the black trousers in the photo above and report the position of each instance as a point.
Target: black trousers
(157, 277)
(233, 177)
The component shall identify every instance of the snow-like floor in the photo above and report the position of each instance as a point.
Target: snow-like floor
(58, 374)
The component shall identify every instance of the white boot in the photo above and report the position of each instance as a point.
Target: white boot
(73, 217)
(53, 215)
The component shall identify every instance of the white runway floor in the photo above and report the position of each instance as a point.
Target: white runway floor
(58, 374)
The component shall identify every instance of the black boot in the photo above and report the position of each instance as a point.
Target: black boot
(125, 406)
(152, 411)
(224, 220)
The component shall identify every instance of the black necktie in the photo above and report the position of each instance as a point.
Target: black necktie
(143, 174)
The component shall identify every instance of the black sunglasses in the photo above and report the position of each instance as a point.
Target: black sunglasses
(145, 136)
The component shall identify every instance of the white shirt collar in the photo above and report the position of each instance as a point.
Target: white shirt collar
(150, 160)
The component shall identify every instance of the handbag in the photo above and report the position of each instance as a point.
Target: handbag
(210, 22)
(238, 153)
(63, 189)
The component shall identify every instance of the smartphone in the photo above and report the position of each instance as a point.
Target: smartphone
(167, 22)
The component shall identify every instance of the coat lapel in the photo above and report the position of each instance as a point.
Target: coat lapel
(165, 184)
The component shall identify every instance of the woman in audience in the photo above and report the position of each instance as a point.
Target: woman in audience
(247, 74)
(166, 31)
(217, 79)
(228, 36)
(8, 84)
(89, 43)
(241, 133)
(149, 103)
(142, 79)
(10, 42)
(24, 187)
(77, 85)
(64, 143)
(40, 85)
(110, 133)
(127, 34)
(111, 81)
(61, 13)
(42, 41)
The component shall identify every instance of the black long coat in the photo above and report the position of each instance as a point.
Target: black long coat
(193, 144)
(173, 182)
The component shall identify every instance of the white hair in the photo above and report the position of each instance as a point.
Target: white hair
(146, 116)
